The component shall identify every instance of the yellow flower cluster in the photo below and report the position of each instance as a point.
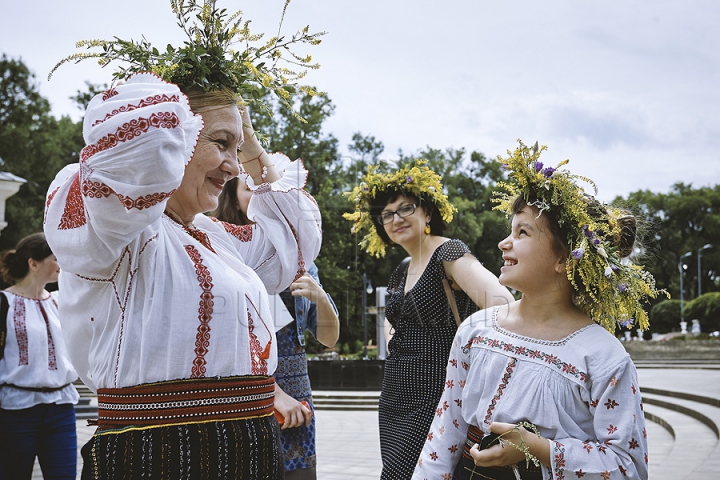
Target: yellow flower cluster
(610, 289)
(415, 179)
(206, 62)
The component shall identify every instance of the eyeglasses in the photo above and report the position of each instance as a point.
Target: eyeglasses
(402, 212)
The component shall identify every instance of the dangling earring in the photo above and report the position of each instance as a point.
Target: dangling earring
(427, 229)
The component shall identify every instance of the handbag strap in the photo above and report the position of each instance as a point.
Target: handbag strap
(3, 322)
(451, 301)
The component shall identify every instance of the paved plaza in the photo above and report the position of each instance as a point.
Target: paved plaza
(682, 445)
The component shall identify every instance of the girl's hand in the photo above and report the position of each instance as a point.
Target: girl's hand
(502, 453)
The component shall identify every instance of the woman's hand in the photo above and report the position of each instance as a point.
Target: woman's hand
(295, 413)
(307, 287)
(251, 147)
(252, 156)
(328, 324)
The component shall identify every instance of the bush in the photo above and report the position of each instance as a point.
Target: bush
(706, 309)
(665, 316)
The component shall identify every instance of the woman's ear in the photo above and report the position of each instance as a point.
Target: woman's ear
(32, 264)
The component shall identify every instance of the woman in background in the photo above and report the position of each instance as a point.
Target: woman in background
(37, 397)
(408, 208)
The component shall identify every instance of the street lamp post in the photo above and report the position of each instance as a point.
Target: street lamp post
(700, 250)
(367, 290)
(680, 267)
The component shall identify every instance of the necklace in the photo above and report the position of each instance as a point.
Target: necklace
(192, 231)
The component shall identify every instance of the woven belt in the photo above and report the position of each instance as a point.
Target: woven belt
(185, 401)
(35, 389)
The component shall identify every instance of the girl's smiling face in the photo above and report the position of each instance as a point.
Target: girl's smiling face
(531, 262)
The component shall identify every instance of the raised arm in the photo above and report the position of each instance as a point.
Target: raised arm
(139, 137)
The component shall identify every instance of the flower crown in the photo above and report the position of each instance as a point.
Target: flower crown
(415, 179)
(608, 288)
(206, 62)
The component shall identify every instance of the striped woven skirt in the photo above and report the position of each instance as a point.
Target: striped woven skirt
(210, 428)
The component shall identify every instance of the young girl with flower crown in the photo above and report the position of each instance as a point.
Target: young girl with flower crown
(542, 372)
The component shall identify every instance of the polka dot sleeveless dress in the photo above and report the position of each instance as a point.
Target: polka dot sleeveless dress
(424, 328)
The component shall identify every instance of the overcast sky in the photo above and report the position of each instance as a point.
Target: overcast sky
(628, 90)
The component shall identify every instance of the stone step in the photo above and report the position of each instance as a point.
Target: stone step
(693, 442)
(694, 408)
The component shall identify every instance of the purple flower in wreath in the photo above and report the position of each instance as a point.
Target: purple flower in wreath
(596, 241)
(548, 172)
(614, 267)
(588, 233)
(504, 166)
(622, 288)
(627, 323)
(364, 187)
(538, 166)
(578, 253)
(408, 179)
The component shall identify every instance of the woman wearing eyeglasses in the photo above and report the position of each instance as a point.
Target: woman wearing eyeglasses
(408, 208)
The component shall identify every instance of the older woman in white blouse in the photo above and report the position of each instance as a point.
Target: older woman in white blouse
(169, 318)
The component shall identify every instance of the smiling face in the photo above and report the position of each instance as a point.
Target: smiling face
(214, 163)
(403, 230)
(531, 262)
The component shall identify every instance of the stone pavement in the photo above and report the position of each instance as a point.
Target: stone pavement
(682, 445)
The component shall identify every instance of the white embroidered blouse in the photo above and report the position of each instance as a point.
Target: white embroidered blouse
(581, 393)
(35, 355)
(143, 300)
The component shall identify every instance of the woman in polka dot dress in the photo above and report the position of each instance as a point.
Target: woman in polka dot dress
(409, 209)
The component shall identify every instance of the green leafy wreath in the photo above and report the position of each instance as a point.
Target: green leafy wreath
(207, 61)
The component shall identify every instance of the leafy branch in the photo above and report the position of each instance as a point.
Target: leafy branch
(206, 60)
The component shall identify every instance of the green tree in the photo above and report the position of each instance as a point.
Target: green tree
(33, 145)
(677, 222)
(705, 309)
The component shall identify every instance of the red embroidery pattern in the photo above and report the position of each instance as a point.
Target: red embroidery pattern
(524, 351)
(501, 388)
(52, 359)
(47, 203)
(205, 310)
(74, 213)
(559, 459)
(98, 190)
(153, 100)
(21, 330)
(109, 94)
(241, 232)
(259, 365)
(130, 130)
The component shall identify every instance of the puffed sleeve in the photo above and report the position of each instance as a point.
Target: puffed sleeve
(286, 235)
(139, 137)
(448, 431)
(620, 450)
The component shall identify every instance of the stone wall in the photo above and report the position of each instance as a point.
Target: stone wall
(674, 350)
